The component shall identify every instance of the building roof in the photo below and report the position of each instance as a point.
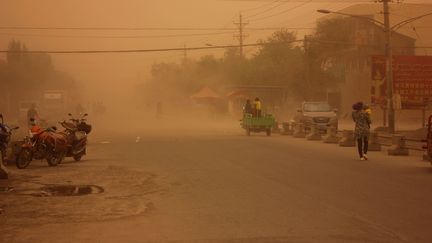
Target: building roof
(206, 93)
(419, 29)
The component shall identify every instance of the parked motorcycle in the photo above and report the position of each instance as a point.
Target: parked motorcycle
(42, 144)
(5, 136)
(76, 131)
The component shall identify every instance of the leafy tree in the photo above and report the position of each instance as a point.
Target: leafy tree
(280, 61)
(26, 73)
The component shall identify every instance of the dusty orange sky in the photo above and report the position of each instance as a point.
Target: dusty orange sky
(122, 71)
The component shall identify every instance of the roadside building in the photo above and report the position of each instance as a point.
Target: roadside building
(209, 101)
(368, 39)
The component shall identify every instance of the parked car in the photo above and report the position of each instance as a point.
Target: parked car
(317, 113)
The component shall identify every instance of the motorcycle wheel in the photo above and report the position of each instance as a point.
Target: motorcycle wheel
(54, 159)
(3, 157)
(78, 157)
(24, 158)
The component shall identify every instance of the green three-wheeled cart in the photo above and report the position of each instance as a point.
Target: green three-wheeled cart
(263, 123)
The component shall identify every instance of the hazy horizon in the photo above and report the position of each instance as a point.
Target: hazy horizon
(99, 72)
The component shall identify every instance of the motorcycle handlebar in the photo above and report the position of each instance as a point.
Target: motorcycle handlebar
(82, 117)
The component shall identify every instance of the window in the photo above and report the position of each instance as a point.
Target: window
(316, 107)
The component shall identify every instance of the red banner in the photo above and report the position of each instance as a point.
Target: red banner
(412, 80)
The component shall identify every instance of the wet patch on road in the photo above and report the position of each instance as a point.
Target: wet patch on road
(69, 190)
(79, 195)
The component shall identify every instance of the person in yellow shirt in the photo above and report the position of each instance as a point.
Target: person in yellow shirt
(257, 107)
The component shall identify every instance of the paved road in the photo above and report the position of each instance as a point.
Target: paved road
(221, 186)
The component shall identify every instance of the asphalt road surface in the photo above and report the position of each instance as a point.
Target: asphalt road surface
(219, 185)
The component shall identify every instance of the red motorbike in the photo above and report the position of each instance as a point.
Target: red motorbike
(428, 140)
(42, 144)
(76, 131)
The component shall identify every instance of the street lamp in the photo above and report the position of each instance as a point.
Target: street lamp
(326, 11)
(388, 51)
(383, 25)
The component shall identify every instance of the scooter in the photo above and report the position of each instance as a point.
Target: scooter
(76, 131)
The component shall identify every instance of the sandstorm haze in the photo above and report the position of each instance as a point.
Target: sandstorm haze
(113, 78)
(215, 121)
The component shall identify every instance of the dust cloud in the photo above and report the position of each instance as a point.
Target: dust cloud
(120, 91)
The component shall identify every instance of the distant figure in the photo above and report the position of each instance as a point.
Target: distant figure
(362, 129)
(159, 110)
(34, 127)
(101, 107)
(79, 110)
(257, 107)
(32, 115)
(247, 109)
(98, 108)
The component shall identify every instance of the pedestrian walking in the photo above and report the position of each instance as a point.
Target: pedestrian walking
(362, 129)
(79, 110)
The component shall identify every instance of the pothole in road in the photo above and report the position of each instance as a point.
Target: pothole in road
(68, 190)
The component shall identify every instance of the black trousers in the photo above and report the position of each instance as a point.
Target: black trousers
(362, 145)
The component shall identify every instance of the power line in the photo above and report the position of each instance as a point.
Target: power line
(278, 28)
(262, 6)
(413, 27)
(331, 42)
(156, 29)
(317, 1)
(129, 28)
(282, 12)
(130, 50)
(326, 5)
(103, 28)
(116, 37)
(143, 50)
(203, 48)
(267, 10)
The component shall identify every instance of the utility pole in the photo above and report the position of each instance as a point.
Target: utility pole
(241, 34)
(389, 64)
(184, 52)
(306, 46)
(388, 52)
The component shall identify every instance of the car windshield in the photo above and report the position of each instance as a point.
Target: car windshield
(316, 107)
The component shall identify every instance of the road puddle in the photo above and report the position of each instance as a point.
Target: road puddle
(68, 190)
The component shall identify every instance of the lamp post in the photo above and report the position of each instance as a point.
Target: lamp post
(388, 51)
